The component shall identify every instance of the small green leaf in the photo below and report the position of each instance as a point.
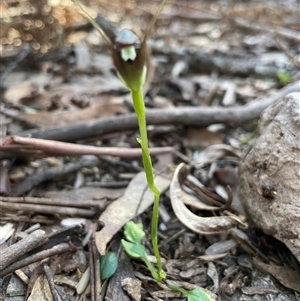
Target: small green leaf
(108, 265)
(284, 77)
(198, 295)
(195, 295)
(134, 250)
(134, 232)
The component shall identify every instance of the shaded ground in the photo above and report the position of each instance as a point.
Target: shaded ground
(215, 68)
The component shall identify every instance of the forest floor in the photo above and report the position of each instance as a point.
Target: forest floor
(71, 173)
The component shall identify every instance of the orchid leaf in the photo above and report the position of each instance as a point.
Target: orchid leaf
(198, 295)
(134, 232)
(134, 250)
(108, 265)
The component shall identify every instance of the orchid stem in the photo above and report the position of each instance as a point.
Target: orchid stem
(139, 107)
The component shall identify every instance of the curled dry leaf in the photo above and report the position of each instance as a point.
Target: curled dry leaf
(213, 153)
(192, 200)
(201, 225)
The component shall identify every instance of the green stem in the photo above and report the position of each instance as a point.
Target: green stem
(139, 107)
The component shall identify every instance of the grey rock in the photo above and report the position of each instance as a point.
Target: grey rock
(270, 174)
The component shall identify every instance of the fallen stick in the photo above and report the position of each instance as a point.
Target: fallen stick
(58, 249)
(53, 172)
(53, 202)
(57, 148)
(14, 252)
(48, 209)
(192, 116)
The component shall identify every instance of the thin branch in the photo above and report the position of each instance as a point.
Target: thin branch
(44, 209)
(192, 116)
(14, 252)
(51, 173)
(57, 148)
(58, 249)
(49, 276)
(53, 202)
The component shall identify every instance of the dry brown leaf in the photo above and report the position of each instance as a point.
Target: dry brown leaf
(198, 224)
(97, 110)
(86, 193)
(200, 137)
(136, 199)
(213, 153)
(41, 101)
(27, 89)
(286, 276)
(24, 90)
(41, 290)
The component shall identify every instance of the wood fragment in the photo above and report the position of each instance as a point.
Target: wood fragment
(15, 251)
(58, 249)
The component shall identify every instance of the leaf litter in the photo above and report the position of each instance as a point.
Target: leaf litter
(206, 55)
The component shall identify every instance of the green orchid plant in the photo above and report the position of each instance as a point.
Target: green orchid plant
(131, 58)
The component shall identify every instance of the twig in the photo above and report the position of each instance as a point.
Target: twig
(50, 280)
(57, 148)
(58, 249)
(62, 235)
(3, 287)
(51, 173)
(4, 178)
(15, 251)
(96, 271)
(53, 202)
(92, 271)
(60, 210)
(28, 219)
(192, 116)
